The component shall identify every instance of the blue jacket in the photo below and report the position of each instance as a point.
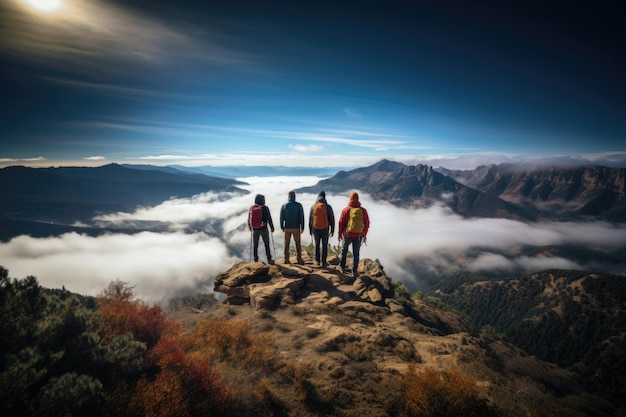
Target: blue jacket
(292, 215)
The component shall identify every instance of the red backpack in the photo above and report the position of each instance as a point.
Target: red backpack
(255, 217)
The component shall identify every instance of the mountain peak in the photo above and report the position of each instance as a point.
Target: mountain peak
(270, 287)
(387, 165)
(348, 341)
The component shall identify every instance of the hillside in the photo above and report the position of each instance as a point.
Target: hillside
(34, 198)
(287, 340)
(572, 318)
(344, 346)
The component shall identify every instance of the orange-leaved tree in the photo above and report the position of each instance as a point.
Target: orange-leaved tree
(182, 387)
(119, 314)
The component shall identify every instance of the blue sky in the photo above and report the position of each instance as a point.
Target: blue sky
(299, 83)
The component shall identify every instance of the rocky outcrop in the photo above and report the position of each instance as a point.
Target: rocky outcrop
(272, 286)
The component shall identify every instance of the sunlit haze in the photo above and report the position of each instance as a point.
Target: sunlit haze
(47, 6)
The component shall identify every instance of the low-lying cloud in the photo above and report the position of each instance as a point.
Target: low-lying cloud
(206, 234)
(159, 265)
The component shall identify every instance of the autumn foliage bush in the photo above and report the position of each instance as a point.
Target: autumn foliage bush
(232, 341)
(120, 314)
(182, 387)
(172, 382)
(434, 393)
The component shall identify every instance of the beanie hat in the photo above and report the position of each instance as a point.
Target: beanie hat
(322, 194)
(354, 196)
(292, 193)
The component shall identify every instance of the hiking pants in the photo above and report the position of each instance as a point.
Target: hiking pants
(296, 239)
(263, 233)
(356, 247)
(321, 236)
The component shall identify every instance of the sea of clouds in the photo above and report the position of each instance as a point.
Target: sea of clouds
(204, 235)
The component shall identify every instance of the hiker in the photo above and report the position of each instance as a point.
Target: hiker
(321, 226)
(292, 224)
(353, 226)
(259, 218)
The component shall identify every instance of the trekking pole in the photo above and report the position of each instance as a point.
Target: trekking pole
(251, 239)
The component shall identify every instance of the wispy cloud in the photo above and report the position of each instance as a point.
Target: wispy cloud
(359, 138)
(120, 90)
(306, 148)
(371, 141)
(352, 113)
(293, 159)
(34, 159)
(95, 158)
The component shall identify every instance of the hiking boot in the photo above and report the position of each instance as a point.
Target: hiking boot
(287, 261)
(324, 264)
(270, 261)
(300, 262)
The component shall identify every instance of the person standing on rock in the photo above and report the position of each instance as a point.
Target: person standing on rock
(292, 224)
(321, 226)
(259, 217)
(354, 223)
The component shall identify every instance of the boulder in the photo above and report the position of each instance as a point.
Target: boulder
(243, 273)
(375, 289)
(269, 295)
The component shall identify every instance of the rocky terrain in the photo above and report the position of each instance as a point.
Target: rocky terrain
(521, 192)
(344, 344)
(553, 192)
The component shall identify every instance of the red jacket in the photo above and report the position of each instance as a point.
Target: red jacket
(345, 216)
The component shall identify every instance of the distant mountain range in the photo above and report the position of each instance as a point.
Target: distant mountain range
(498, 191)
(254, 171)
(39, 201)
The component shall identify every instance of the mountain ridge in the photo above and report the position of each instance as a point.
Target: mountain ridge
(419, 186)
(554, 192)
(519, 192)
(69, 195)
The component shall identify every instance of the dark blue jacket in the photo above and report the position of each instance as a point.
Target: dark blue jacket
(292, 215)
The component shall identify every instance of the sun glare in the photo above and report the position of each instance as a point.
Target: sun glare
(46, 6)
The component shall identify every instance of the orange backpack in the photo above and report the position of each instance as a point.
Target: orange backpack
(320, 217)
